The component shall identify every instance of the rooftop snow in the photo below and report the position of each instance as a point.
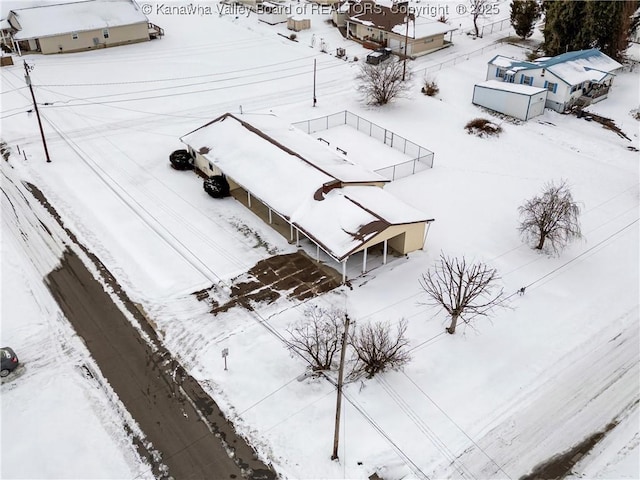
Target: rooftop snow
(285, 168)
(585, 65)
(49, 20)
(423, 29)
(571, 67)
(511, 87)
(506, 62)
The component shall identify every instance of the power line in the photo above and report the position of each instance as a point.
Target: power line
(457, 426)
(226, 87)
(617, 232)
(424, 428)
(171, 79)
(17, 113)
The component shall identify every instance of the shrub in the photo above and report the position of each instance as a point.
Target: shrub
(181, 160)
(483, 128)
(377, 349)
(430, 88)
(217, 186)
(293, 36)
(318, 336)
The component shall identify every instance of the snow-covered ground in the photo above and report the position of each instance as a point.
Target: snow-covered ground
(490, 402)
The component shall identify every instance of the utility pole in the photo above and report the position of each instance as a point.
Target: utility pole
(27, 79)
(314, 82)
(336, 432)
(406, 41)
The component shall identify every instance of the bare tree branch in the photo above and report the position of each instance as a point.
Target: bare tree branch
(317, 336)
(552, 216)
(377, 350)
(463, 290)
(379, 84)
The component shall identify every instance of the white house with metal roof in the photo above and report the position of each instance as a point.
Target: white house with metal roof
(339, 206)
(573, 78)
(77, 26)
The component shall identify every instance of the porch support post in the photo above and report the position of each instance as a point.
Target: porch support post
(291, 232)
(364, 261)
(249, 199)
(317, 253)
(426, 232)
(297, 237)
(384, 252)
(270, 217)
(344, 270)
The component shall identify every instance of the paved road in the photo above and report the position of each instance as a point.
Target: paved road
(168, 405)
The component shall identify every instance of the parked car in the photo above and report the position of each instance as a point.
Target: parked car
(9, 361)
(378, 56)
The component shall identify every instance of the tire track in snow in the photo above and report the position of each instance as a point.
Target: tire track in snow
(589, 388)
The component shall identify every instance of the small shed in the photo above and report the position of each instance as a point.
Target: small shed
(298, 23)
(272, 13)
(516, 100)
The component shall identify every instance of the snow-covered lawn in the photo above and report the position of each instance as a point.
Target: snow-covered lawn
(490, 402)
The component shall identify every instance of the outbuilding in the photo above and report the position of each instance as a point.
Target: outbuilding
(272, 13)
(297, 23)
(513, 99)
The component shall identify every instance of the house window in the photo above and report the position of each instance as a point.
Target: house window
(428, 40)
(105, 32)
(576, 88)
(74, 35)
(500, 72)
(552, 87)
(509, 77)
(526, 80)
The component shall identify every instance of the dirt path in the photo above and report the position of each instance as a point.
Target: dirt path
(186, 435)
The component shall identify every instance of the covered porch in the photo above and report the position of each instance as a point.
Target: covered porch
(375, 253)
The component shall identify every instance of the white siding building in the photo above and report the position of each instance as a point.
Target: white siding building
(518, 101)
(573, 78)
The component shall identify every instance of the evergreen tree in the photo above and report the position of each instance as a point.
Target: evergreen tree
(524, 14)
(604, 27)
(564, 26)
(601, 24)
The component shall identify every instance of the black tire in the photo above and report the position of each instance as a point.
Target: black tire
(4, 373)
(217, 186)
(181, 160)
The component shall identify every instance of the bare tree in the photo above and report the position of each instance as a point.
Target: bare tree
(552, 216)
(318, 336)
(480, 8)
(376, 349)
(379, 84)
(464, 290)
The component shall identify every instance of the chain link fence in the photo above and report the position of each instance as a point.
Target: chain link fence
(421, 158)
